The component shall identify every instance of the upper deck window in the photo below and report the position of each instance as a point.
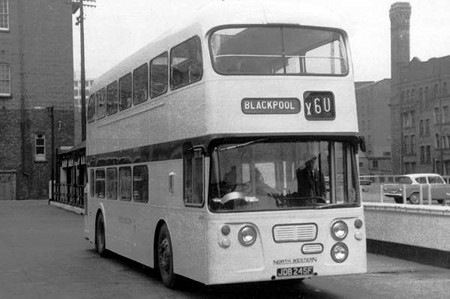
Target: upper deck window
(159, 75)
(101, 103)
(91, 108)
(278, 50)
(140, 84)
(125, 92)
(112, 98)
(186, 64)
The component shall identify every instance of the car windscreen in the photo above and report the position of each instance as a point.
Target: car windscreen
(403, 180)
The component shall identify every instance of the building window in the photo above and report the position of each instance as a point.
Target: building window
(413, 145)
(427, 127)
(422, 154)
(444, 89)
(446, 115)
(421, 128)
(437, 115)
(375, 164)
(4, 15)
(39, 147)
(435, 91)
(406, 145)
(436, 141)
(5, 79)
(428, 154)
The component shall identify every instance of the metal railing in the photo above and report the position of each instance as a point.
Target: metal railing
(72, 195)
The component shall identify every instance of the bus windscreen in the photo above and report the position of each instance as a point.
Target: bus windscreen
(278, 50)
(265, 175)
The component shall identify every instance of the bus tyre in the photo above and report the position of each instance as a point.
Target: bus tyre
(165, 257)
(414, 198)
(100, 244)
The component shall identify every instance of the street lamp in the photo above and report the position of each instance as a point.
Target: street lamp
(80, 4)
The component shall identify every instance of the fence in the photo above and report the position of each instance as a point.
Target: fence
(72, 195)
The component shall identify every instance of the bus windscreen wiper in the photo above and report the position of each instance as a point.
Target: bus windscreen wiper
(242, 144)
(337, 205)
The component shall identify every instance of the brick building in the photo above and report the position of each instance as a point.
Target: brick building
(374, 120)
(36, 92)
(420, 103)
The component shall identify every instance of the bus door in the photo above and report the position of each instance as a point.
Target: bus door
(192, 245)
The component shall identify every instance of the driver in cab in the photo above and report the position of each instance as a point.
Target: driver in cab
(310, 180)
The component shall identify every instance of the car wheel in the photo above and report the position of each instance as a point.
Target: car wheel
(440, 201)
(165, 257)
(414, 198)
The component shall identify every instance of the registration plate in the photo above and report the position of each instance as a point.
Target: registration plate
(295, 271)
(319, 105)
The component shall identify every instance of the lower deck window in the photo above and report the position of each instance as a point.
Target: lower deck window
(125, 183)
(140, 183)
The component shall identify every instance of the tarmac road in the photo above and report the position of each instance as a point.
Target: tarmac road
(43, 254)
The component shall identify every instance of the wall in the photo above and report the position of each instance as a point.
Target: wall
(409, 231)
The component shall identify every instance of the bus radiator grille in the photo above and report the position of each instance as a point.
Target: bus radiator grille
(295, 232)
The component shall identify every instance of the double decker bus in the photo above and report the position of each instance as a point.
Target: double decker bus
(197, 142)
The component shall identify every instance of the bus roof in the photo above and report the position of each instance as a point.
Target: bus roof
(220, 13)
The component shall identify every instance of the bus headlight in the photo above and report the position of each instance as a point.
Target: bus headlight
(339, 252)
(247, 235)
(339, 230)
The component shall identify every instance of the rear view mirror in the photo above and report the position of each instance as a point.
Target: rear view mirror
(362, 143)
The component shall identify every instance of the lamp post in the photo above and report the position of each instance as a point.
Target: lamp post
(80, 21)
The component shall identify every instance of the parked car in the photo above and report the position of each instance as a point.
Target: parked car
(440, 190)
(364, 184)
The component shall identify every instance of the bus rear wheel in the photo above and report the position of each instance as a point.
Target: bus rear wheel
(165, 257)
(100, 243)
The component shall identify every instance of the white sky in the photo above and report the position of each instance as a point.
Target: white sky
(117, 28)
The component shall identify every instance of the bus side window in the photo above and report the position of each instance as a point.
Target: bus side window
(101, 101)
(91, 109)
(100, 183)
(193, 177)
(111, 183)
(91, 183)
(125, 92)
(140, 183)
(140, 84)
(159, 75)
(125, 183)
(111, 98)
(186, 65)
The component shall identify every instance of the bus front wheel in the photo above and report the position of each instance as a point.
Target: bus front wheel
(100, 244)
(165, 257)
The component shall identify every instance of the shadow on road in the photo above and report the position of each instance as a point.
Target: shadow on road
(192, 289)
